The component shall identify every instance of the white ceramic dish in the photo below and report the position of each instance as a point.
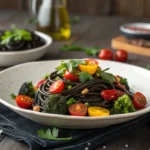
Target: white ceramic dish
(12, 79)
(17, 57)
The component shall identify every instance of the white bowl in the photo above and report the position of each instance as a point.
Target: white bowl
(17, 57)
(13, 78)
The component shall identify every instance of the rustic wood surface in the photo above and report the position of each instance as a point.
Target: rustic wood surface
(90, 31)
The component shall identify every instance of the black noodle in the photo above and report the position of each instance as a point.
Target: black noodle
(92, 96)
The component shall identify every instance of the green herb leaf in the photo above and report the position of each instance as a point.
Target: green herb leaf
(106, 76)
(51, 135)
(13, 96)
(70, 66)
(91, 51)
(148, 67)
(85, 76)
(71, 101)
(46, 76)
(16, 35)
(75, 20)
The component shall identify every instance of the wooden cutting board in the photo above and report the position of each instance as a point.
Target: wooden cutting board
(121, 43)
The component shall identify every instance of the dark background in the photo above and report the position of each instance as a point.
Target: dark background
(132, 8)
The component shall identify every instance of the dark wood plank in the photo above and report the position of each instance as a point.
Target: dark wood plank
(9, 144)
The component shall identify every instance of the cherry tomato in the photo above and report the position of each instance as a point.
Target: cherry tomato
(70, 76)
(121, 55)
(24, 101)
(78, 109)
(40, 83)
(105, 54)
(91, 62)
(57, 87)
(139, 100)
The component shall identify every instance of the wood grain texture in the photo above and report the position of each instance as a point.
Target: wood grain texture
(128, 7)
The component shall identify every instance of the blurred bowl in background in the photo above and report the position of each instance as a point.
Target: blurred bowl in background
(136, 30)
(10, 58)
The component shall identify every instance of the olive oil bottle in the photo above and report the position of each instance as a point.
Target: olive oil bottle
(53, 19)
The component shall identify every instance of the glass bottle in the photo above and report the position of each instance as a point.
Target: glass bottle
(52, 18)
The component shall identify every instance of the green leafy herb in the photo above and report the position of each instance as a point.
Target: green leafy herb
(85, 76)
(46, 76)
(15, 35)
(148, 67)
(51, 134)
(13, 96)
(91, 51)
(69, 87)
(87, 104)
(70, 66)
(74, 20)
(105, 75)
(31, 20)
(71, 101)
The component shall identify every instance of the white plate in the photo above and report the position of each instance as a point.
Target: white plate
(17, 57)
(12, 79)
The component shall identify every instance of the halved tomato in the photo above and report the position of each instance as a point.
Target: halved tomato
(24, 101)
(40, 83)
(57, 87)
(139, 100)
(78, 109)
(70, 76)
(91, 62)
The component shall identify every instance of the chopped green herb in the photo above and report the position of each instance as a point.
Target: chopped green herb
(69, 87)
(13, 96)
(46, 76)
(87, 104)
(124, 82)
(16, 35)
(51, 134)
(71, 101)
(85, 76)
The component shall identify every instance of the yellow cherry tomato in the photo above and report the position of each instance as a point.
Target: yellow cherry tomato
(98, 111)
(91, 69)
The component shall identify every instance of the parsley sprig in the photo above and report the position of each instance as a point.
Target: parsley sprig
(51, 134)
(105, 75)
(70, 66)
(85, 76)
(91, 51)
(15, 35)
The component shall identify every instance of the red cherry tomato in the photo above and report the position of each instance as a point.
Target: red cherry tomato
(40, 83)
(70, 76)
(91, 62)
(78, 109)
(24, 101)
(57, 87)
(121, 55)
(105, 54)
(139, 100)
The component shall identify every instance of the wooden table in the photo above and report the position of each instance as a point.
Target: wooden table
(90, 31)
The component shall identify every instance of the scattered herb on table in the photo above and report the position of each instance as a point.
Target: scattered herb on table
(15, 35)
(74, 20)
(91, 51)
(51, 134)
